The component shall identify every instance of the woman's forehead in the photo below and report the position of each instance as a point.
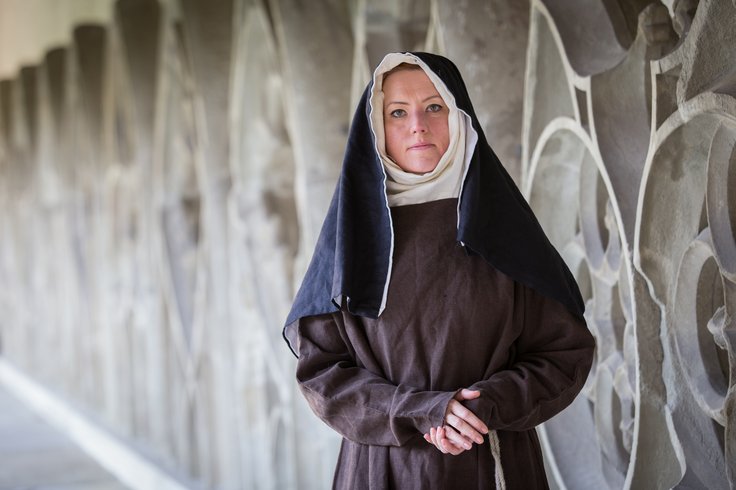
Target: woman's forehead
(408, 81)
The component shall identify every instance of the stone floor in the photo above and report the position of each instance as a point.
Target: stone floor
(33, 455)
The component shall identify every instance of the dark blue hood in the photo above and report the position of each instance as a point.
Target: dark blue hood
(353, 253)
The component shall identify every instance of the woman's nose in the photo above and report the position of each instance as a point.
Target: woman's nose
(418, 123)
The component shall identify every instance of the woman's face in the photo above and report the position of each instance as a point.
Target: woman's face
(415, 121)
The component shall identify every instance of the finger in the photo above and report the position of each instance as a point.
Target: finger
(450, 448)
(460, 411)
(449, 445)
(466, 422)
(466, 394)
(457, 439)
(434, 432)
(444, 444)
(462, 427)
(436, 439)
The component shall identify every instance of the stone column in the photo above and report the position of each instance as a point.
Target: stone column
(488, 42)
(315, 50)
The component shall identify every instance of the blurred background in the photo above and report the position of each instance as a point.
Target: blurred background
(165, 167)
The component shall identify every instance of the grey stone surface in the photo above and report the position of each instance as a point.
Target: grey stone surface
(35, 456)
(644, 162)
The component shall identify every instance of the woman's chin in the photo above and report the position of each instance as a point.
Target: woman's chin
(418, 168)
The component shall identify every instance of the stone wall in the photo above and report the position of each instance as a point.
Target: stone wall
(163, 178)
(30, 27)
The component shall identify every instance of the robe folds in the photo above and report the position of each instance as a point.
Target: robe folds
(451, 321)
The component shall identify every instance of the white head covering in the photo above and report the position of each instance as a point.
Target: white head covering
(445, 181)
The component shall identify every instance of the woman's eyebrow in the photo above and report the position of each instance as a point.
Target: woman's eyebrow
(401, 102)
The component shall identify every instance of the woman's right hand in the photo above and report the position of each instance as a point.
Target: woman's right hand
(462, 427)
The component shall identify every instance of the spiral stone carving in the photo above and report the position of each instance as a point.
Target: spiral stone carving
(639, 156)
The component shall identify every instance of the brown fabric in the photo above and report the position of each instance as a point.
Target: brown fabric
(452, 321)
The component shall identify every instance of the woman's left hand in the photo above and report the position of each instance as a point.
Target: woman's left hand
(440, 437)
(462, 428)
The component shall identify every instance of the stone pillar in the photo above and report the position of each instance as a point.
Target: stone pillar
(208, 37)
(470, 33)
(315, 52)
(264, 235)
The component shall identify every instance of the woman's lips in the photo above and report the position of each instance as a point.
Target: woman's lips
(421, 146)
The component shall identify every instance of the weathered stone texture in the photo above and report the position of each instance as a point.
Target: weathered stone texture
(636, 161)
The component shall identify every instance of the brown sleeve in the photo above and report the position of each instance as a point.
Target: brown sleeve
(552, 358)
(360, 405)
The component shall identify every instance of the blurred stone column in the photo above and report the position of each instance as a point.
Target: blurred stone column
(178, 238)
(315, 48)
(264, 238)
(208, 29)
(133, 331)
(487, 40)
(89, 214)
(16, 164)
(49, 205)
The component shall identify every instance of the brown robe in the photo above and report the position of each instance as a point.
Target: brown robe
(451, 321)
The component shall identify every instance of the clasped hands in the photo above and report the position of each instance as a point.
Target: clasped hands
(462, 427)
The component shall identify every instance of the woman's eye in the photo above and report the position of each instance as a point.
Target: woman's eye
(398, 113)
(434, 108)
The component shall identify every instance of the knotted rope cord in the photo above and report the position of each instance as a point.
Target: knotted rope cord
(496, 453)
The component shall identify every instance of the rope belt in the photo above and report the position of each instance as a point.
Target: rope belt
(496, 453)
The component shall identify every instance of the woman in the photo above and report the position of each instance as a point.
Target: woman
(436, 325)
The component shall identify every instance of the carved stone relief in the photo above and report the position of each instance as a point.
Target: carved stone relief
(632, 148)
